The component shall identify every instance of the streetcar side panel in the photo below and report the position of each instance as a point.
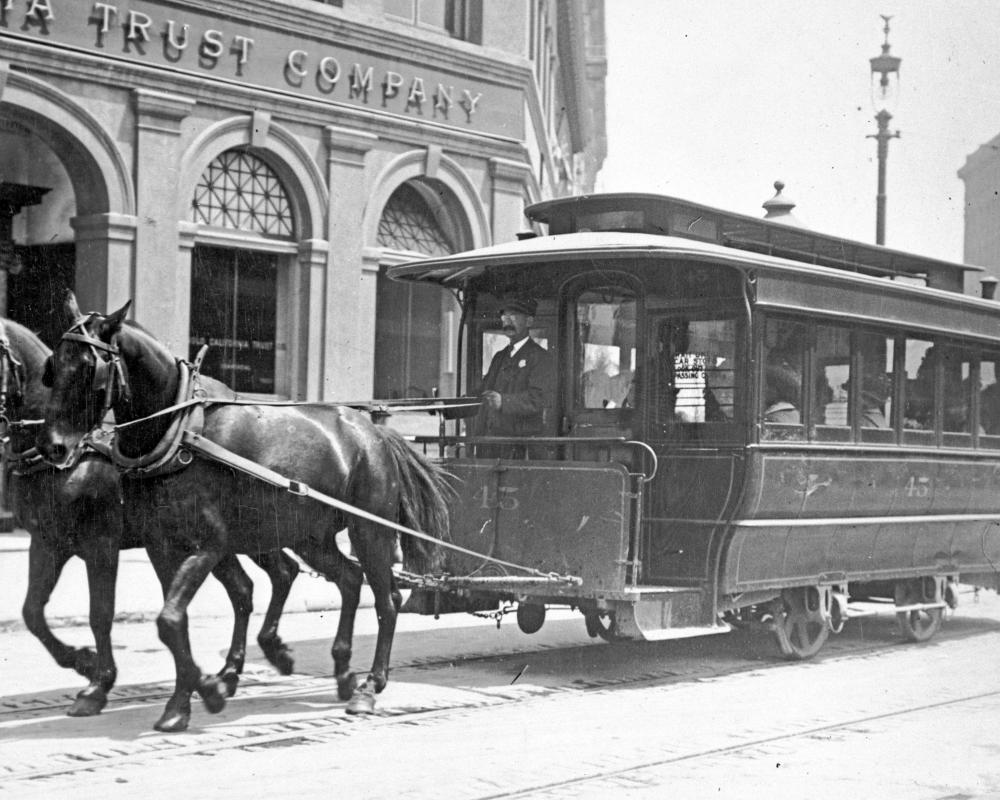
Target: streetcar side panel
(569, 518)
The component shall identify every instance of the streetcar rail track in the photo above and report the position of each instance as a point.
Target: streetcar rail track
(329, 722)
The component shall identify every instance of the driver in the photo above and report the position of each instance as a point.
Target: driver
(520, 385)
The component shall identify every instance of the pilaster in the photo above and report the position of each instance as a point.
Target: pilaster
(349, 335)
(161, 290)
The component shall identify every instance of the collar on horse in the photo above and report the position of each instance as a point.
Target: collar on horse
(169, 454)
(188, 414)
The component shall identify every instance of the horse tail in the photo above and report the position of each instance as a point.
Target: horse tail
(424, 495)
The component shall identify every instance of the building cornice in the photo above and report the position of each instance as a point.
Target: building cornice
(383, 37)
(33, 59)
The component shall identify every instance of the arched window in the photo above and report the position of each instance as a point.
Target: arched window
(236, 290)
(240, 191)
(411, 324)
(408, 223)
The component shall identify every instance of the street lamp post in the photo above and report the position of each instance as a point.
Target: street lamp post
(883, 93)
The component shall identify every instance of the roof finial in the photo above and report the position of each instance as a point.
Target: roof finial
(779, 208)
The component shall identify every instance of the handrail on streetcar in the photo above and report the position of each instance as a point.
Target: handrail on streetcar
(561, 442)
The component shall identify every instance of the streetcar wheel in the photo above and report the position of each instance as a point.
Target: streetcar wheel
(921, 624)
(598, 626)
(530, 617)
(798, 623)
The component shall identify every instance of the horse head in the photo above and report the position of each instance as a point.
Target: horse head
(22, 361)
(85, 376)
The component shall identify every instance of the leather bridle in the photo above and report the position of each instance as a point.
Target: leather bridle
(109, 369)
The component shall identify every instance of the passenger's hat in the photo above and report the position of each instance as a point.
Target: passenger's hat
(519, 303)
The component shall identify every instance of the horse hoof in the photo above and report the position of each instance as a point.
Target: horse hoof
(283, 661)
(363, 702)
(346, 686)
(211, 694)
(230, 681)
(88, 704)
(172, 722)
(278, 654)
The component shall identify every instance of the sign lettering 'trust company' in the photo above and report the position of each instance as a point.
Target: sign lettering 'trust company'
(264, 56)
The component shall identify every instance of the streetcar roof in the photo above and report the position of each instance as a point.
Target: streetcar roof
(637, 224)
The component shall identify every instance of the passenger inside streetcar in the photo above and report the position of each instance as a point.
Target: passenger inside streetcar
(782, 389)
(785, 343)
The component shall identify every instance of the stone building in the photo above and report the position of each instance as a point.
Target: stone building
(981, 175)
(245, 170)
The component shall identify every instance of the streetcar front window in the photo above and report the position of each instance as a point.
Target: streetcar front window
(605, 340)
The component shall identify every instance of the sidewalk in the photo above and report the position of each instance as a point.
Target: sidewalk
(138, 591)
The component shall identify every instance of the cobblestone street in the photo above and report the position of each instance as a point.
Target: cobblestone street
(718, 717)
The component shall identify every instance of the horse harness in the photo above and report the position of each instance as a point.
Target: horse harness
(29, 460)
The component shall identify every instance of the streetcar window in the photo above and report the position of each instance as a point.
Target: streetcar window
(785, 350)
(606, 348)
(919, 404)
(876, 363)
(957, 365)
(989, 399)
(833, 373)
(695, 376)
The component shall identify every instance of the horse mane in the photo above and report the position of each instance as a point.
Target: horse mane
(27, 342)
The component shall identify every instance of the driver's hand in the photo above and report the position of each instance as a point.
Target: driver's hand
(493, 400)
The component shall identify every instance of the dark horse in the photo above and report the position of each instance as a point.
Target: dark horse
(192, 518)
(78, 511)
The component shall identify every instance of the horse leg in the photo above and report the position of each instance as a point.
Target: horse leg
(282, 569)
(101, 557)
(374, 549)
(45, 565)
(239, 587)
(326, 558)
(181, 577)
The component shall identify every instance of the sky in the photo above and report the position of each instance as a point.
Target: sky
(713, 101)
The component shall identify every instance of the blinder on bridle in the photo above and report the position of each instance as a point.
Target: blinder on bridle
(109, 371)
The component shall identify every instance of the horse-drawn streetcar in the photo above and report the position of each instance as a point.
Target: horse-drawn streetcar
(700, 419)
(743, 419)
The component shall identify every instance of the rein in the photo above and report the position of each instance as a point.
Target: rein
(205, 447)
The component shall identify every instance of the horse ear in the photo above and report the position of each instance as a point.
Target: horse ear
(112, 323)
(71, 309)
(47, 375)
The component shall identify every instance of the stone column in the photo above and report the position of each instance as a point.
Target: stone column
(348, 332)
(308, 292)
(161, 294)
(510, 181)
(104, 249)
(186, 233)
